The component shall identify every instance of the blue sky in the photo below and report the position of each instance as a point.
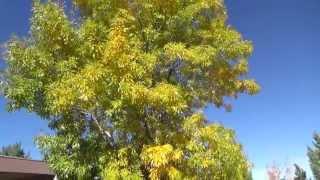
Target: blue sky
(275, 125)
(18, 126)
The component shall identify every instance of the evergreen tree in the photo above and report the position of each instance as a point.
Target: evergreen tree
(314, 156)
(123, 82)
(300, 174)
(14, 150)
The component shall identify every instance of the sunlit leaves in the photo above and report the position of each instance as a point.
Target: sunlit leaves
(214, 154)
(60, 36)
(122, 165)
(161, 160)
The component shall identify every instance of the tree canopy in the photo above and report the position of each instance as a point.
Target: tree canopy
(123, 84)
(14, 150)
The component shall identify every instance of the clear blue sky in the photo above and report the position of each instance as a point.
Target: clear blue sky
(274, 126)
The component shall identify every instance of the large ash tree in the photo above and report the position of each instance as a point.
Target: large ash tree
(122, 83)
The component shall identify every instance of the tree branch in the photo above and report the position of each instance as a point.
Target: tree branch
(106, 134)
(147, 129)
(102, 131)
(145, 124)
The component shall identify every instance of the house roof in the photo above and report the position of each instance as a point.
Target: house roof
(23, 166)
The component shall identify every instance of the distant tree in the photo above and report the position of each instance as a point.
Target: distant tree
(300, 174)
(14, 150)
(289, 172)
(273, 173)
(314, 156)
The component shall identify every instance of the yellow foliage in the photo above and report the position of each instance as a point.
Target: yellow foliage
(123, 86)
(161, 160)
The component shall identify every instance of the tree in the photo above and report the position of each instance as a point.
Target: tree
(249, 176)
(14, 150)
(122, 84)
(273, 173)
(314, 156)
(300, 174)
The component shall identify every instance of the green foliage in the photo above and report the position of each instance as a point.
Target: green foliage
(123, 86)
(249, 175)
(14, 150)
(314, 156)
(300, 174)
